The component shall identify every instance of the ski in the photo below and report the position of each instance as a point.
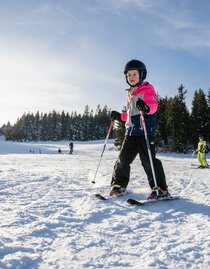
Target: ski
(197, 167)
(100, 197)
(134, 201)
(106, 197)
(144, 202)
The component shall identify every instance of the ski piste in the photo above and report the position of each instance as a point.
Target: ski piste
(135, 201)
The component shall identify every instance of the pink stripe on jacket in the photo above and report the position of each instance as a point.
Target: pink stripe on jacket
(145, 92)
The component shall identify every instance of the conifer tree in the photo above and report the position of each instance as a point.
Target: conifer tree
(6, 130)
(178, 120)
(199, 116)
(37, 129)
(208, 113)
(64, 125)
(119, 132)
(162, 127)
(18, 129)
(86, 124)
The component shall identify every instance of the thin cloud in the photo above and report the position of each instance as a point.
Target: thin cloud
(67, 54)
(69, 15)
(175, 29)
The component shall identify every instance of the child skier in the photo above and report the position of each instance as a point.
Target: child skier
(201, 150)
(141, 97)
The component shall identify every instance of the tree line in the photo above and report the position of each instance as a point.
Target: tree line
(177, 127)
(55, 126)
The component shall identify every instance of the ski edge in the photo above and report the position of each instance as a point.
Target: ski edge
(100, 197)
(135, 202)
(143, 202)
(103, 197)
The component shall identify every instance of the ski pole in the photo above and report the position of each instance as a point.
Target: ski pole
(109, 131)
(190, 165)
(149, 151)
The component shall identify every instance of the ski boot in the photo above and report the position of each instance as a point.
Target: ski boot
(162, 193)
(117, 190)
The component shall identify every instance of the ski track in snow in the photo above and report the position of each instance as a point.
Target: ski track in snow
(50, 219)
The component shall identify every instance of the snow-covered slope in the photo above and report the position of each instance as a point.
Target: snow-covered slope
(50, 219)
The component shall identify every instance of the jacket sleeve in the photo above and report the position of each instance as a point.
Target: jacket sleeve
(150, 98)
(124, 116)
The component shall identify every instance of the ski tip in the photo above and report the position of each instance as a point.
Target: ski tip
(99, 196)
(134, 202)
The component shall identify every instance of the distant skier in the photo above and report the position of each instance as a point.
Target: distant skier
(71, 147)
(59, 151)
(201, 150)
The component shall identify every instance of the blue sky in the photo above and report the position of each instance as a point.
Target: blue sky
(66, 54)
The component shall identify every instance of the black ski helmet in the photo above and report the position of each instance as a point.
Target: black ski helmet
(138, 65)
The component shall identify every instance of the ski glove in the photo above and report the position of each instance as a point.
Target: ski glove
(115, 115)
(142, 106)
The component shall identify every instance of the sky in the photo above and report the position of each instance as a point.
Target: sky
(64, 55)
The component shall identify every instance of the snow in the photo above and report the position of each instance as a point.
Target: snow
(49, 218)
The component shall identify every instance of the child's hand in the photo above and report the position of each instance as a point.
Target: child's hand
(142, 106)
(115, 115)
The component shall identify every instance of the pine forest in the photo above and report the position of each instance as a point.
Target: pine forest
(178, 127)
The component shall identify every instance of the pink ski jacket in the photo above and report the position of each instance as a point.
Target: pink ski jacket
(146, 92)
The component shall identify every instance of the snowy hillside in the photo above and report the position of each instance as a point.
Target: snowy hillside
(51, 220)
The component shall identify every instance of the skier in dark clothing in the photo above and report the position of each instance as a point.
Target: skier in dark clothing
(141, 97)
(71, 147)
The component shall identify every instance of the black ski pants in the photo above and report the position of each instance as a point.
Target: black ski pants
(133, 145)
